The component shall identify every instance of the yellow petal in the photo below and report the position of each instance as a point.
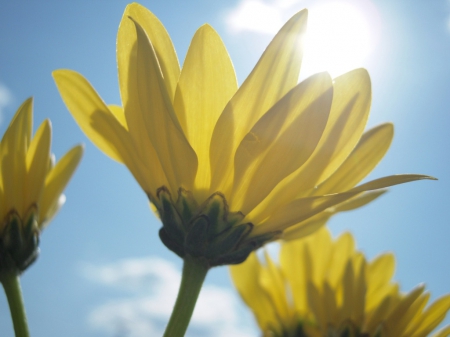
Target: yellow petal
(37, 163)
(84, 103)
(274, 75)
(126, 47)
(206, 84)
(294, 267)
(13, 147)
(432, 316)
(177, 157)
(444, 332)
(245, 277)
(369, 151)
(288, 133)
(119, 113)
(348, 116)
(58, 178)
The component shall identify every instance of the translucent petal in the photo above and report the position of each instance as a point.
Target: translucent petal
(245, 277)
(370, 150)
(287, 134)
(177, 157)
(37, 160)
(206, 84)
(58, 178)
(13, 147)
(432, 316)
(126, 48)
(84, 103)
(274, 75)
(348, 116)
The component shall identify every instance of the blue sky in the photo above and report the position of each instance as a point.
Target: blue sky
(105, 238)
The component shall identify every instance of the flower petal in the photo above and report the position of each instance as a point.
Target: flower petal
(83, 103)
(206, 84)
(58, 178)
(13, 162)
(287, 134)
(370, 150)
(37, 160)
(431, 318)
(304, 208)
(126, 46)
(177, 157)
(275, 74)
(245, 277)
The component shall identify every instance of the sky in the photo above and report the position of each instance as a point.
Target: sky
(102, 270)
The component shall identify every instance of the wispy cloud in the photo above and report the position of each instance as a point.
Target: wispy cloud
(5, 99)
(152, 284)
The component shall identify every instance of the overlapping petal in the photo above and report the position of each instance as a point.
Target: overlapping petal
(335, 292)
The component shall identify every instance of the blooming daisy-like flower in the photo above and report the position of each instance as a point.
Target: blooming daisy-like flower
(31, 187)
(230, 168)
(326, 288)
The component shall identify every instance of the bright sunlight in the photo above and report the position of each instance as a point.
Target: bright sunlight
(340, 37)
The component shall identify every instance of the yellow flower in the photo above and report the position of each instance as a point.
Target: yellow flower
(31, 187)
(230, 168)
(326, 288)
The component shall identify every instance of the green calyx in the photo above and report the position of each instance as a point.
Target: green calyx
(208, 231)
(19, 242)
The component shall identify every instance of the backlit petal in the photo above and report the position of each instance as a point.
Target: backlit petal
(274, 75)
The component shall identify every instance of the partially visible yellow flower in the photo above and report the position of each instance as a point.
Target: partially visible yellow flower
(230, 168)
(31, 187)
(324, 287)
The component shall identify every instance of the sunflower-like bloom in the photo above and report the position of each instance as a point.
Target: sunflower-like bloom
(31, 187)
(326, 288)
(230, 168)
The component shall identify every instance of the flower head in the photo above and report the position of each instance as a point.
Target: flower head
(230, 168)
(326, 288)
(31, 187)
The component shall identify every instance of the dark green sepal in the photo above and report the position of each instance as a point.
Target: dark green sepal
(19, 242)
(209, 232)
(171, 244)
(229, 239)
(196, 242)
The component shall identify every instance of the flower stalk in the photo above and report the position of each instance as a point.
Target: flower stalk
(194, 273)
(11, 285)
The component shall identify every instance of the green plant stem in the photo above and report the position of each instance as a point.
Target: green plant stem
(194, 273)
(11, 284)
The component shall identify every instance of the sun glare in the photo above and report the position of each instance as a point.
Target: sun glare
(340, 37)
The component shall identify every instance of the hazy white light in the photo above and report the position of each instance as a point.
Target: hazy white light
(339, 38)
(255, 15)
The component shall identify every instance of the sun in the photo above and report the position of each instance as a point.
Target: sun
(340, 37)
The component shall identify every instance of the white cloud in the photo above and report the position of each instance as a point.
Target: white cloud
(152, 284)
(5, 99)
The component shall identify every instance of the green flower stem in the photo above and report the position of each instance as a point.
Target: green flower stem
(194, 273)
(11, 284)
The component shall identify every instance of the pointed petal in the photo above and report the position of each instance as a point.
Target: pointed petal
(245, 277)
(432, 316)
(58, 178)
(37, 160)
(177, 157)
(370, 150)
(126, 48)
(83, 103)
(275, 74)
(304, 208)
(13, 147)
(288, 133)
(207, 82)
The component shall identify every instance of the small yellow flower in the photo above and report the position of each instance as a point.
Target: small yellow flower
(31, 187)
(230, 168)
(326, 288)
